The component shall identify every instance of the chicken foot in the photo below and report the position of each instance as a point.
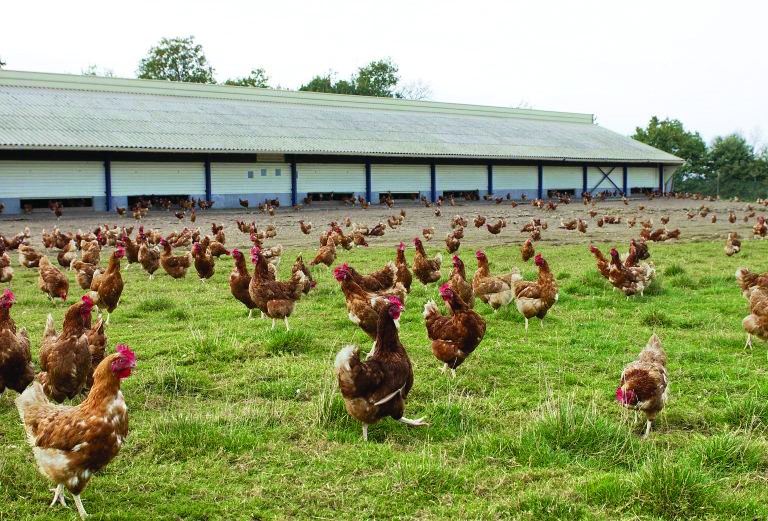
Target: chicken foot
(58, 495)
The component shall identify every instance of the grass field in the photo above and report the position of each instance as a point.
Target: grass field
(229, 420)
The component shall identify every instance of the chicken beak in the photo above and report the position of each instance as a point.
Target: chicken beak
(397, 323)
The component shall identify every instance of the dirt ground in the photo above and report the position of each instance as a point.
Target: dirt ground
(419, 217)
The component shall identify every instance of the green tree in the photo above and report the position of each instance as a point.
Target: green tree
(2, 63)
(257, 78)
(176, 59)
(378, 78)
(735, 169)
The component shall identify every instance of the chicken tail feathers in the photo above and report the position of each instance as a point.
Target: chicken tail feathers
(431, 310)
(345, 358)
(50, 328)
(32, 395)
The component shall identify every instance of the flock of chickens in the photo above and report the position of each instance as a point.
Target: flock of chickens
(71, 443)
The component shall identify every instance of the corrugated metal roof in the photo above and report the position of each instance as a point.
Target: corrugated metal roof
(51, 111)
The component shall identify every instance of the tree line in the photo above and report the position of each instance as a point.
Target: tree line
(728, 167)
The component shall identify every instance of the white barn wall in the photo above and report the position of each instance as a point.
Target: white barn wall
(562, 177)
(400, 178)
(594, 176)
(44, 179)
(516, 180)
(139, 178)
(643, 177)
(253, 182)
(342, 178)
(461, 178)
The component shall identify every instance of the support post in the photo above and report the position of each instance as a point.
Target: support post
(624, 179)
(368, 182)
(294, 179)
(208, 178)
(584, 187)
(433, 181)
(661, 178)
(490, 179)
(540, 182)
(108, 184)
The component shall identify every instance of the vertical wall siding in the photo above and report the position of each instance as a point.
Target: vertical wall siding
(134, 178)
(51, 179)
(563, 177)
(233, 178)
(594, 176)
(641, 177)
(331, 178)
(400, 178)
(462, 177)
(515, 177)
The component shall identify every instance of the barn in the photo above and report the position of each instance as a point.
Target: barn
(104, 142)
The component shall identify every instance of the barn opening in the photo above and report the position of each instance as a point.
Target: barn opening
(400, 196)
(156, 200)
(330, 196)
(561, 191)
(70, 202)
(469, 195)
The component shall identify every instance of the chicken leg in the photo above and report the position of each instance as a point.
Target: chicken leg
(250, 314)
(365, 432)
(286, 324)
(648, 424)
(80, 508)
(749, 341)
(58, 495)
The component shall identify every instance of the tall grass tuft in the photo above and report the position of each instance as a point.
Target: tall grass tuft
(674, 489)
(289, 342)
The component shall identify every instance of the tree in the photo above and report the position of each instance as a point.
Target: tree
(735, 169)
(257, 78)
(378, 78)
(93, 70)
(415, 90)
(176, 59)
(2, 63)
(671, 136)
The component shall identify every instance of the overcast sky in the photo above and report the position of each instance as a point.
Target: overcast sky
(703, 62)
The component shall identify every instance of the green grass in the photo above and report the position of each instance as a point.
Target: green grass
(231, 420)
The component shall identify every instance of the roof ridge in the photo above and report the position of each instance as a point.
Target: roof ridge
(231, 92)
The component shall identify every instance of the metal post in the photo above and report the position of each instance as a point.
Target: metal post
(108, 183)
(661, 178)
(294, 178)
(207, 178)
(368, 182)
(624, 176)
(541, 182)
(584, 187)
(490, 179)
(433, 181)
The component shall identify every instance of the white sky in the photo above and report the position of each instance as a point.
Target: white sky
(703, 62)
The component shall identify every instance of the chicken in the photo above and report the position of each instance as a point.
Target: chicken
(404, 275)
(426, 270)
(455, 336)
(526, 251)
(495, 229)
(361, 304)
(52, 281)
(747, 280)
(84, 273)
(65, 359)
(175, 266)
(630, 280)
(761, 228)
(298, 265)
(732, 244)
(149, 256)
(452, 242)
(568, 225)
(204, 263)
(28, 257)
(380, 280)
(378, 387)
(306, 228)
(70, 444)
(107, 287)
(16, 371)
(428, 233)
(274, 298)
(756, 323)
(97, 345)
(90, 251)
(644, 385)
(479, 221)
(131, 250)
(603, 264)
(534, 298)
(6, 272)
(496, 291)
(240, 280)
(326, 255)
(458, 283)
(67, 254)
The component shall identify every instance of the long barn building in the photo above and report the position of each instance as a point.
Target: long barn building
(104, 142)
